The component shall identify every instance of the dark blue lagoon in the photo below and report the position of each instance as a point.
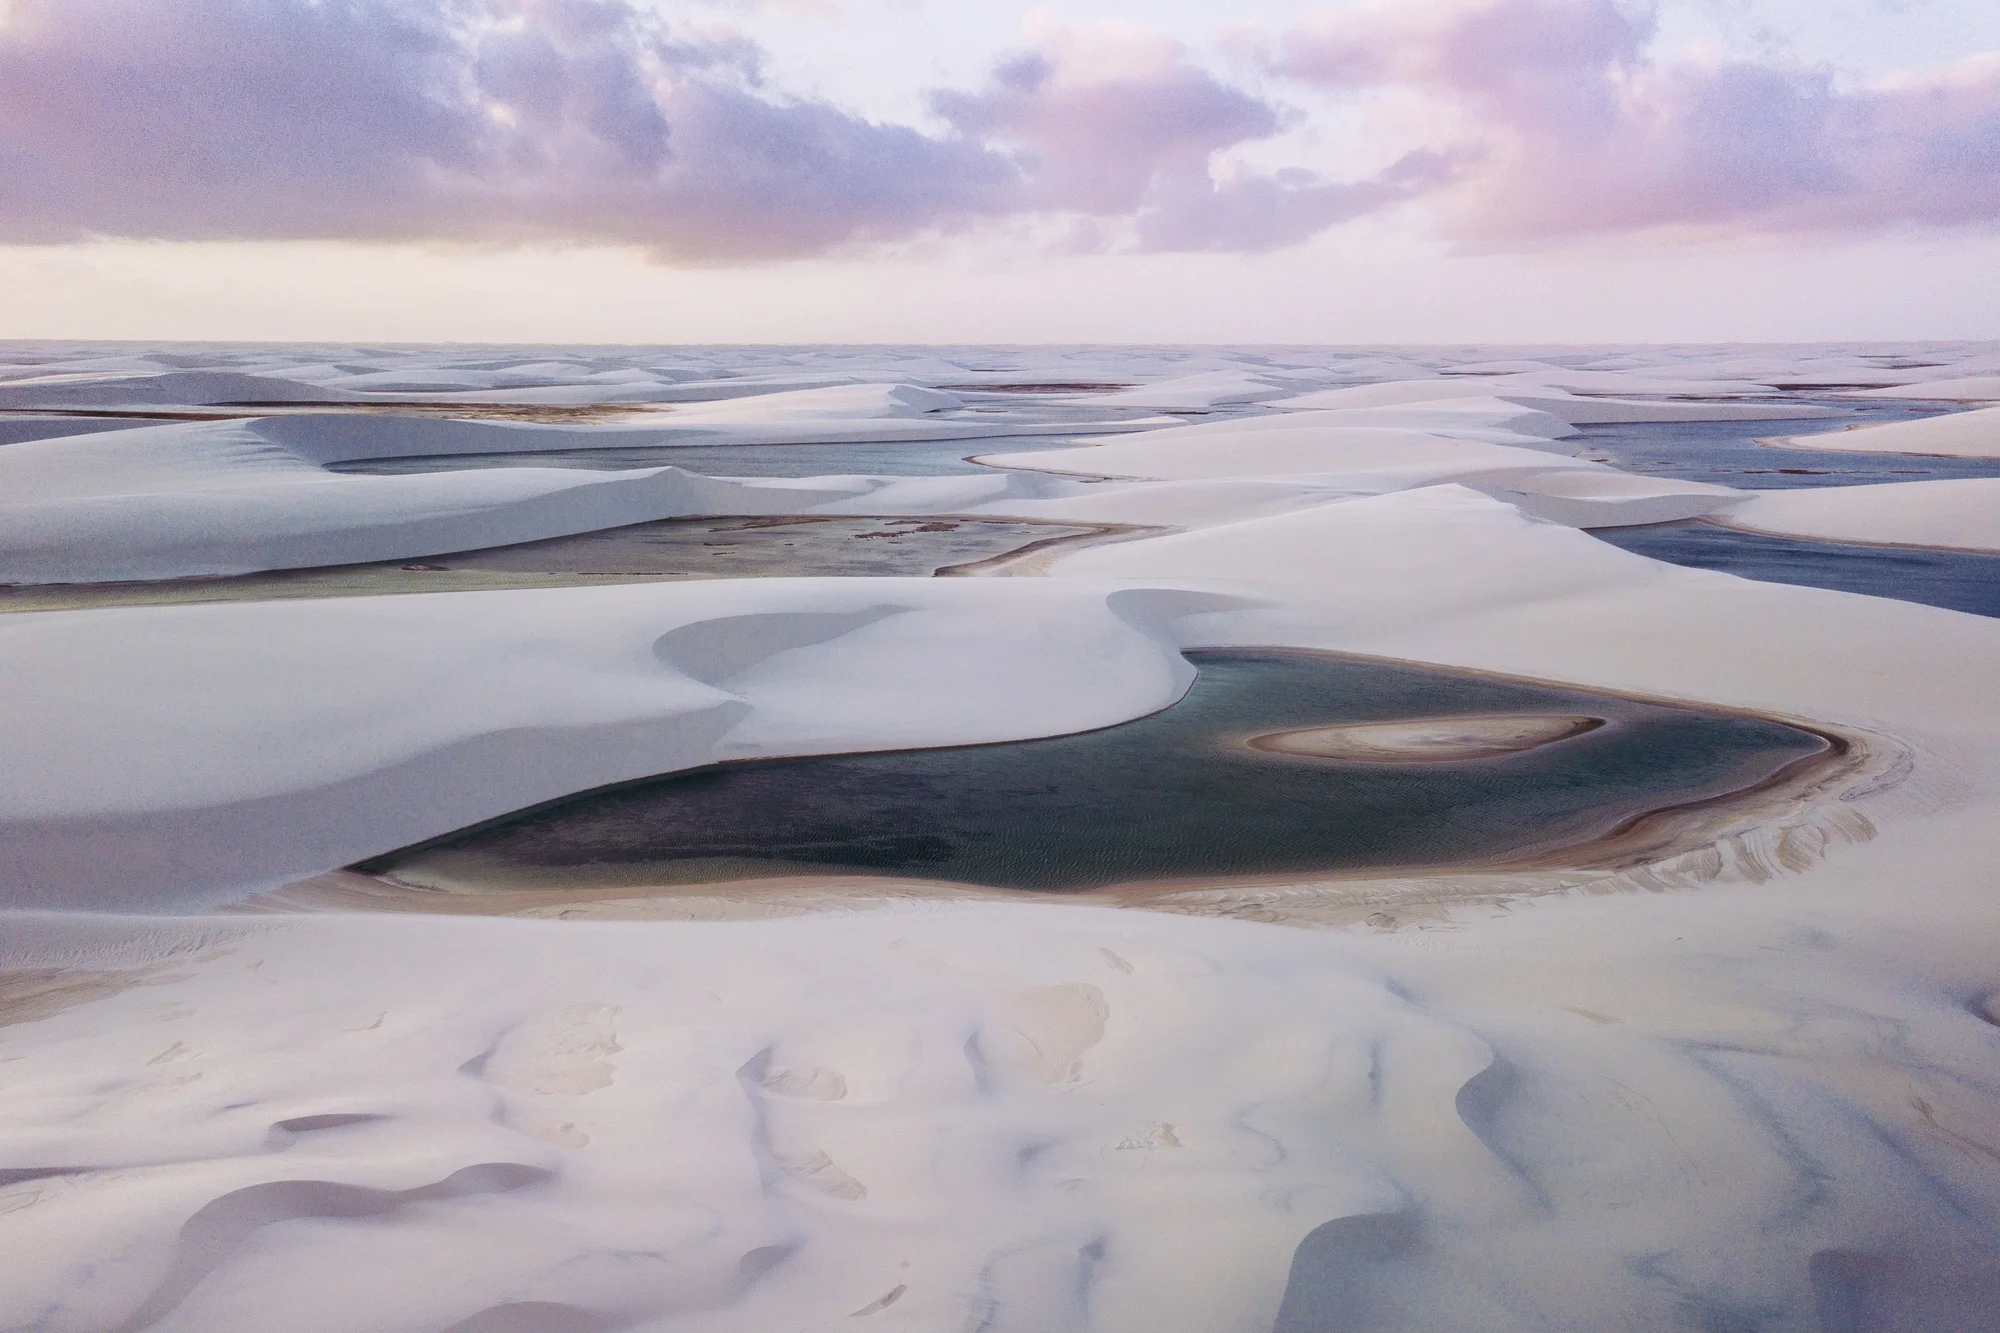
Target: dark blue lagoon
(1179, 794)
(883, 458)
(1955, 580)
(1727, 453)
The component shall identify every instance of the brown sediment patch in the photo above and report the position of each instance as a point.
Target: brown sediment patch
(164, 416)
(1070, 474)
(590, 559)
(31, 993)
(1430, 740)
(1780, 825)
(1048, 387)
(1036, 556)
(725, 900)
(574, 414)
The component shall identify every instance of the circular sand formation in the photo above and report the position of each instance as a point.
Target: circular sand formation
(1428, 740)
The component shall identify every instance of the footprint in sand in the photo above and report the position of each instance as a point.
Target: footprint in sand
(1045, 1032)
(565, 1052)
(814, 1082)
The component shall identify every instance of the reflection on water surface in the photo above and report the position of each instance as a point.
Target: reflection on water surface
(680, 548)
(1955, 580)
(1176, 794)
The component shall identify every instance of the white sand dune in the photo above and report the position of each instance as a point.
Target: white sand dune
(845, 402)
(228, 497)
(510, 375)
(30, 426)
(261, 740)
(1199, 392)
(1411, 574)
(1961, 513)
(207, 498)
(1484, 418)
(718, 1127)
(1500, 1117)
(1581, 498)
(231, 497)
(1765, 1096)
(1338, 451)
(238, 744)
(1666, 382)
(1531, 391)
(1507, 366)
(1366, 554)
(1974, 434)
(1179, 504)
(729, 401)
(178, 388)
(1362, 456)
(642, 389)
(1965, 389)
(55, 365)
(855, 414)
(634, 1125)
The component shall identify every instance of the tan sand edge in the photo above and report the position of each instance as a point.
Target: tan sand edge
(1428, 740)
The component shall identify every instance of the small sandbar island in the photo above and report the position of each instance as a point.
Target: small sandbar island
(1436, 740)
(1351, 766)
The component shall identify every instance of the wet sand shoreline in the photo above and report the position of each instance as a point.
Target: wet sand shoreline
(486, 570)
(1780, 824)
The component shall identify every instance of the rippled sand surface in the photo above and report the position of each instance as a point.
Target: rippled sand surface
(1558, 1050)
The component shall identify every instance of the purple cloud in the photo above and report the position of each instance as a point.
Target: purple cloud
(596, 121)
(455, 119)
(1573, 128)
(581, 120)
(1121, 124)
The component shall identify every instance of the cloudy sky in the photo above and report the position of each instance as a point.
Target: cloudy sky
(979, 170)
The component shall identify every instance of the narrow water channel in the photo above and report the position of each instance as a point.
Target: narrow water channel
(1955, 580)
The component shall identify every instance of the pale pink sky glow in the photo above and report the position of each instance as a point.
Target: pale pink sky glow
(677, 135)
(1576, 128)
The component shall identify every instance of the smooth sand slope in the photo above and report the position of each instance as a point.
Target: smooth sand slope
(1974, 434)
(1960, 389)
(1961, 514)
(1534, 390)
(232, 497)
(1528, 1103)
(1367, 452)
(1751, 1085)
(251, 743)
